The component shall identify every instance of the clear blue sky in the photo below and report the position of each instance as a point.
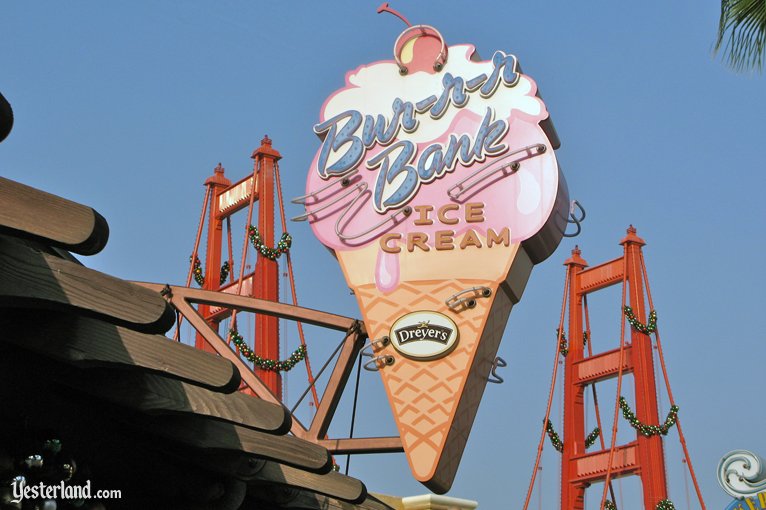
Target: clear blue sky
(128, 107)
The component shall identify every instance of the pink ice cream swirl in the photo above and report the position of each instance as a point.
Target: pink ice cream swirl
(397, 144)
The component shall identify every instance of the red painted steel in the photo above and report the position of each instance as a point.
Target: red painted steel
(216, 184)
(572, 489)
(644, 456)
(263, 283)
(600, 367)
(649, 448)
(266, 270)
(592, 466)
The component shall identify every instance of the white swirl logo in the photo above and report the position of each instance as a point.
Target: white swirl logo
(742, 473)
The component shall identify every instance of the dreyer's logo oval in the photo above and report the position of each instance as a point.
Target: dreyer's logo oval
(424, 335)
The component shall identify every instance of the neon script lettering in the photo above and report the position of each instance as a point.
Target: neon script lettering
(401, 171)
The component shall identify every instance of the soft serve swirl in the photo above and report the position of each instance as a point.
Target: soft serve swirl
(402, 165)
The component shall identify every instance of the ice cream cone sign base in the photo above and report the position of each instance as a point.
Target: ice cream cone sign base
(438, 189)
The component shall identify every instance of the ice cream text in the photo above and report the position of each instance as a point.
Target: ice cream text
(473, 212)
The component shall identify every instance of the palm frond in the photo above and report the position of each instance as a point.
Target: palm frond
(742, 33)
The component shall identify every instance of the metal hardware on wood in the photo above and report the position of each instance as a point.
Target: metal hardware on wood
(493, 377)
(575, 219)
(361, 187)
(345, 181)
(441, 57)
(456, 302)
(374, 346)
(507, 168)
(406, 211)
(373, 366)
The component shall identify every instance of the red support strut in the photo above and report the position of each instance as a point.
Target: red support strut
(226, 199)
(266, 279)
(217, 183)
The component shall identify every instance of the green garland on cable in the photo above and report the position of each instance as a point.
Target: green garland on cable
(646, 329)
(197, 271)
(665, 504)
(199, 275)
(649, 430)
(591, 439)
(225, 268)
(264, 363)
(283, 246)
(559, 445)
(609, 505)
(564, 345)
(554, 437)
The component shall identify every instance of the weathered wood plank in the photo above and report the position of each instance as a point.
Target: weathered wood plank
(304, 500)
(260, 473)
(102, 436)
(87, 342)
(388, 502)
(29, 212)
(31, 279)
(158, 395)
(159, 446)
(335, 385)
(332, 484)
(212, 436)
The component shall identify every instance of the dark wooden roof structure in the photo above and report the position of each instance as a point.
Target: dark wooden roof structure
(90, 384)
(6, 118)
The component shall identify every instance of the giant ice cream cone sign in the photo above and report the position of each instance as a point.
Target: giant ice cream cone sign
(437, 188)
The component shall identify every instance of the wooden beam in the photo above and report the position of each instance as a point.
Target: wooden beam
(181, 298)
(159, 396)
(250, 304)
(29, 212)
(87, 342)
(216, 313)
(226, 352)
(334, 390)
(31, 279)
(601, 276)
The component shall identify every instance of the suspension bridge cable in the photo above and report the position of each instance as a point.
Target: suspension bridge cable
(670, 392)
(292, 283)
(552, 388)
(608, 479)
